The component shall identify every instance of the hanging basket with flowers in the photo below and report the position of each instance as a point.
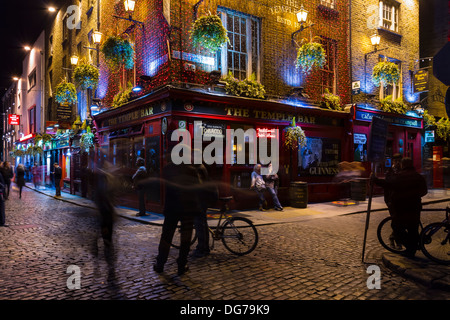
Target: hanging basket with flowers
(118, 52)
(294, 136)
(385, 73)
(86, 76)
(208, 32)
(66, 93)
(310, 55)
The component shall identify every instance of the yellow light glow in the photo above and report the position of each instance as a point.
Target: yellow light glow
(51, 9)
(375, 39)
(74, 60)
(129, 5)
(27, 48)
(97, 37)
(302, 15)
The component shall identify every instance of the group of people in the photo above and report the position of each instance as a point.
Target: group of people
(6, 175)
(261, 183)
(404, 188)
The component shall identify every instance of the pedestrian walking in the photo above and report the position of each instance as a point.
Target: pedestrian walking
(258, 184)
(35, 173)
(2, 201)
(140, 175)
(407, 189)
(8, 174)
(272, 182)
(57, 175)
(181, 204)
(20, 178)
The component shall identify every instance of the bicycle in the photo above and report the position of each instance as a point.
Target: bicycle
(238, 234)
(434, 239)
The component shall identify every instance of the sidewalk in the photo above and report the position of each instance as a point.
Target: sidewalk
(419, 269)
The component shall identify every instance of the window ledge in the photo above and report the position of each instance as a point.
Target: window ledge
(326, 9)
(390, 35)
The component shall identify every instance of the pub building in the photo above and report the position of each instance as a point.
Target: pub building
(143, 128)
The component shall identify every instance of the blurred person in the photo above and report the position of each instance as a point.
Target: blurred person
(407, 189)
(35, 173)
(20, 178)
(271, 181)
(2, 201)
(182, 203)
(258, 184)
(57, 175)
(9, 174)
(140, 175)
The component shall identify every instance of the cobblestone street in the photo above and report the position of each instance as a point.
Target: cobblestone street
(319, 259)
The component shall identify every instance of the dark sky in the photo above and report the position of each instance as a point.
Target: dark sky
(21, 22)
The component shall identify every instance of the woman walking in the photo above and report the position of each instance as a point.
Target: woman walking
(20, 178)
(8, 175)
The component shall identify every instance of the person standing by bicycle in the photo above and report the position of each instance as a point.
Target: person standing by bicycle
(182, 203)
(407, 188)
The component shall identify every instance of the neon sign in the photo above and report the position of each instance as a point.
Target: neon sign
(266, 133)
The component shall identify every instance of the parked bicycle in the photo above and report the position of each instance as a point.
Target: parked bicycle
(238, 234)
(434, 239)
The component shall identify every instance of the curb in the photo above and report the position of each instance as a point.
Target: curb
(420, 270)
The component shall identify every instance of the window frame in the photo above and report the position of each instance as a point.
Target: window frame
(394, 15)
(329, 43)
(328, 3)
(252, 42)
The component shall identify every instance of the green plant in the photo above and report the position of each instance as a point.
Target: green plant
(122, 97)
(87, 139)
(385, 73)
(209, 33)
(86, 76)
(294, 136)
(394, 106)
(331, 101)
(428, 119)
(118, 52)
(249, 88)
(443, 128)
(66, 92)
(310, 55)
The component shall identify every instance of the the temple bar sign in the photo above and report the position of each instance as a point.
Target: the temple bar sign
(420, 81)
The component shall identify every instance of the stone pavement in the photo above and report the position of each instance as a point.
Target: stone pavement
(419, 269)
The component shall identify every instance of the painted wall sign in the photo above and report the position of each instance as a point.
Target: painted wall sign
(135, 114)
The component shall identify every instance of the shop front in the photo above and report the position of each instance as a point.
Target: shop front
(404, 137)
(229, 135)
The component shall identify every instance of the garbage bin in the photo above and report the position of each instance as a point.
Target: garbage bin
(298, 194)
(358, 189)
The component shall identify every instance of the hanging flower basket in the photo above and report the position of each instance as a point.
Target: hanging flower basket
(87, 139)
(86, 76)
(118, 52)
(311, 55)
(66, 93)
(208, 32)
(386, 73)
(294, 136)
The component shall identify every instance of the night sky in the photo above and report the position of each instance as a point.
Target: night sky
(21, 22)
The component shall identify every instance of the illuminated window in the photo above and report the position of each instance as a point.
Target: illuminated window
(328, 3)
(242, 54)
(328, 72)
(389, 12)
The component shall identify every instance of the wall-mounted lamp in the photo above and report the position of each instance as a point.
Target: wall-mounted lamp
(375, 40)
(74, 60)
(129, 6)
(302, 16)
(97, 37)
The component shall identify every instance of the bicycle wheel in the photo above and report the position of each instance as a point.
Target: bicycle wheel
(177, 237)
(435, 242)
(386, 237)
(239, 236)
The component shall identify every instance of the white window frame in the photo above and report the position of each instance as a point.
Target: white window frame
(223, 53)
(328, 3)
(389, 15)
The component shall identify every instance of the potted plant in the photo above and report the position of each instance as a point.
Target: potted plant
(310, 55)
(122, 97)
(66, 92)
(86, 76)
(249, 88)
(118, 52)
(331, 101)
(209, 32)
(294, 136)
(385, 73)
(394, 106)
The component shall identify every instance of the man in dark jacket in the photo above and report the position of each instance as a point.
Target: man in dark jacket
(182, 204)
(57, 174)
(407, 189)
